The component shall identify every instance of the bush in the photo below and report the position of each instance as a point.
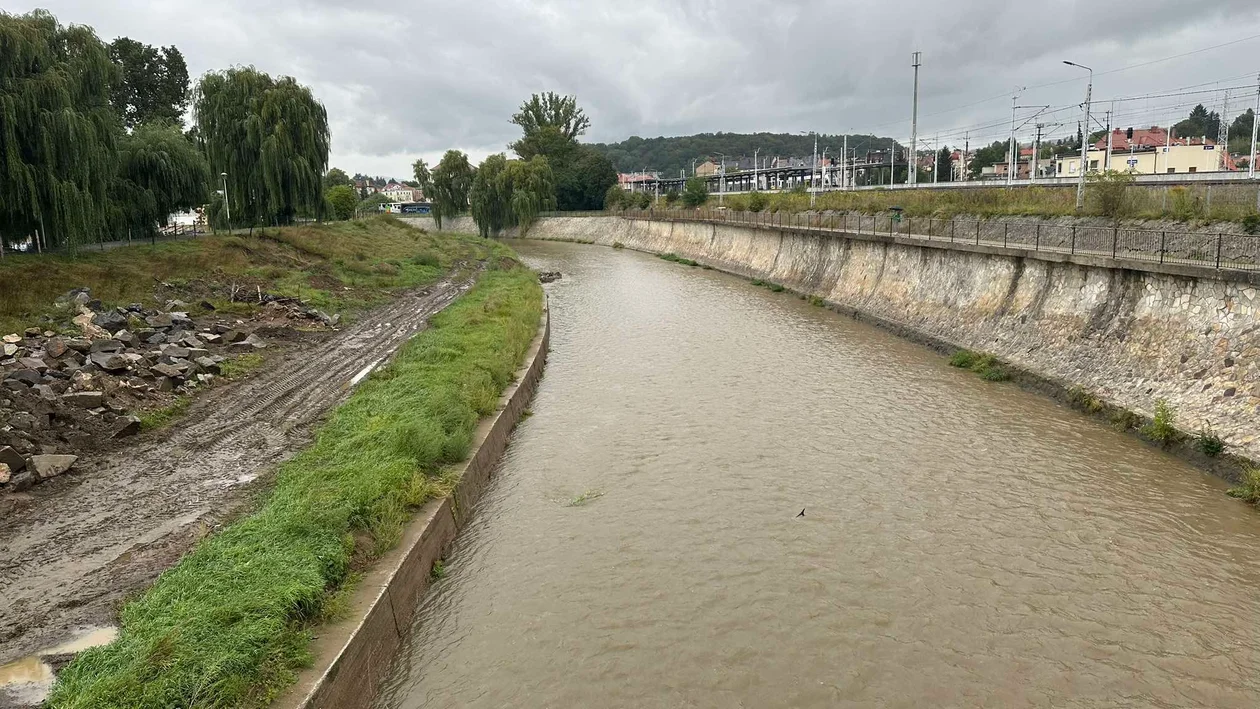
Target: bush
(695, 192)
(1251, 224)
(963, 359)
(615, 198)
(642, 200)
(986, 365)
(1185, 205)
(1249, 489)
(1110, 190)
(757, 202)
(1084, 400)
(672, 197)
(1161, 429)
(1208, 443)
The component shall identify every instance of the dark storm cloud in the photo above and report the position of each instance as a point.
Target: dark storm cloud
(409, 79)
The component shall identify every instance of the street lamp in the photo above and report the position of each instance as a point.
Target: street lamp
(813, 169)
(227, 203)
(1089, 90)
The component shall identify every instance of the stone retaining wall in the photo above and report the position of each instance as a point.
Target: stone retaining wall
(1126, 335)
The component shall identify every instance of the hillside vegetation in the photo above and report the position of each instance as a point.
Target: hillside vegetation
(671, 155)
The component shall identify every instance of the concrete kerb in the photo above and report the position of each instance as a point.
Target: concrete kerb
(353, 655)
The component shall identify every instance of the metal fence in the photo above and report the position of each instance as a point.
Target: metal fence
(1217, 250)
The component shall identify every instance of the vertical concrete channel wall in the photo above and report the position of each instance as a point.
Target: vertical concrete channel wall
(1127, 334)
(353, 656)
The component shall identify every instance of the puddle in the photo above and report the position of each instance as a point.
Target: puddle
(28, 680)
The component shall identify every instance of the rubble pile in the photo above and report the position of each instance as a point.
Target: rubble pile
(63, 393)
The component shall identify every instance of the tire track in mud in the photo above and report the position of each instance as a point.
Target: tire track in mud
(69, 558)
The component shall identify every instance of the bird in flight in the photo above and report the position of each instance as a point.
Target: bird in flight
(802, 514)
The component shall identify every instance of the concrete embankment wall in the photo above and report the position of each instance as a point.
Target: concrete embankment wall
(1128, 336)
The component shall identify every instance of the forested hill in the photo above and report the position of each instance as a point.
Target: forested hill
(670, 155)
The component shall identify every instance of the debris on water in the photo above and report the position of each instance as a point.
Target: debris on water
(549, 276)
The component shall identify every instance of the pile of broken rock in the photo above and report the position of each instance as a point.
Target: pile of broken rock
(60, 393)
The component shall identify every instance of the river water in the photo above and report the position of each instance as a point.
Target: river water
(964, 543)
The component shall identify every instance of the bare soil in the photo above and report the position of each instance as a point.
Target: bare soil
(75, 548)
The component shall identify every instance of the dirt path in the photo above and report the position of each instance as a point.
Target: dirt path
(79, 548)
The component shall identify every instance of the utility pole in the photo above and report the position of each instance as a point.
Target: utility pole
(813, 192)
(966, 161)
(1089, 91)
(1107, 157)
(1222, 140)
(844, 162)
(1012, 158)
(936, 158)
(1255, 122)
(913, 169)
(1036, 156)
(755, 185)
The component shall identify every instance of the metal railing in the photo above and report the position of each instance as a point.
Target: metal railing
(1218, 250)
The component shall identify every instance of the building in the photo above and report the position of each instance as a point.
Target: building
(635, 181)
(397, 192)
(1156, 160)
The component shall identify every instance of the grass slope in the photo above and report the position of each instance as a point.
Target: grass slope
(339, 266)
(229, 625)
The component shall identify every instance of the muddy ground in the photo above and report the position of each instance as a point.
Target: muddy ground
(81, 543)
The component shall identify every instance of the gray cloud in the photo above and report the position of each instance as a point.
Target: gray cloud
(409, 79)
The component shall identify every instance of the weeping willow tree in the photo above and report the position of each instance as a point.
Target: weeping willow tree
(271, 138)
(57, 130)
(160, 171)
(450, 180)
(508, 193)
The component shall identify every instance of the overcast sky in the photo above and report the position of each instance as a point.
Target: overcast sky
(408, 78)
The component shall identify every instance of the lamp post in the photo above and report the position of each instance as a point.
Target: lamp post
(1089, 90)
(226, 202)
(721, 178)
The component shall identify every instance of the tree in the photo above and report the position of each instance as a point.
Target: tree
(1241, 127)
(159, 172)
(452, 179)
(615, 198)
(371, 204)
(152, 83)
(554, 111)
(945, 165)
(271, 138)
(1201, 123)
(695, 192)
(582, 178)
(424, 179)
(341, 201)
(337, 177)
(991, 154)
(509, 193)
(57, 130)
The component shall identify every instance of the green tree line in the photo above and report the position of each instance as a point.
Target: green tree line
(673, 156)
(93, 147)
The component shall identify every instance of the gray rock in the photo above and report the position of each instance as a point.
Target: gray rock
(167, 370)
(126, 338)
(192, 342)
(207, 364)
(6, 474)
(23, 481)
(159, 321)
(34, 363)
(9, 350)
(45, 392)
(195, 352)
(79, 344)
(109, 361)
(85, 399)
(234, 336)
(24, 421)
(108, 345)
(175, 352)
(212, 339)
(128, 426)
(50, 466)
(111, 321)
(156, 338)
(12, 458)
(165, 383)
(29, 377)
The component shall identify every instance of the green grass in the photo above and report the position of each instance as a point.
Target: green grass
(816, 301)
(982, 363)
(240, 365)
(158, 418)
(230, 624)
(438, 571)
(1084, 401)
(670, 256)
(343, 266)
(1208, 443)
(1249, 489)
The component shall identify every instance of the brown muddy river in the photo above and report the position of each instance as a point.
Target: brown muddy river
(964, 543)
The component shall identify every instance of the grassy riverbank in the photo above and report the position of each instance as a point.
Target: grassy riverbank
(1227, 203)
(229, 625)
(342, 266)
